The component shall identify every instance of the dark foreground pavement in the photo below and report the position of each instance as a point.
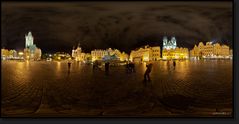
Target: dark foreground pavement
(46, 89)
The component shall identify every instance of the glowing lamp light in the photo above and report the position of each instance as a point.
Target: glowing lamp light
(20, 53)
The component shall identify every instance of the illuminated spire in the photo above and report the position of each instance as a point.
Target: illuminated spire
(174, 42)
(29, 39)
(79, 44)
(165, 42)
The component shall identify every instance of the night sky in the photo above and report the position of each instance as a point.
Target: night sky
(122, 25)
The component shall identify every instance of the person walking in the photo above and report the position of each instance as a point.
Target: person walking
(174, 64)
(95, 65)
(127, 67)
(147, 72)
(69, 66)
(133, 67)
(168, 64)
(107, 65)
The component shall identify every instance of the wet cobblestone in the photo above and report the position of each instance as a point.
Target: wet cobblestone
(39, 89)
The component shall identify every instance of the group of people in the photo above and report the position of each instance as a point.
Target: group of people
(130, 67)
(174, 64)
(149, 68)
(96, 65)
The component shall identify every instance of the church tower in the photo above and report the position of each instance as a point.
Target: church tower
(165, 42)
(169, 44)
(173, 42)
(29, 40)
(76, 53)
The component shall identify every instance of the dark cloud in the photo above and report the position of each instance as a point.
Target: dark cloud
(122, 25)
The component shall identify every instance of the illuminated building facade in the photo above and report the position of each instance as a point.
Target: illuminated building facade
(124, 57)
(210, 50)
(231, 54)
(169, 44)
(31, 52)
(145, 54)
(100, 54)
(177, 53)
(61, 56)
(8, 54)
(171, 51)
(155, 53)
(78, 55)
(32, 55)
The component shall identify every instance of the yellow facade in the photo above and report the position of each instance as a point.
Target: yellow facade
(4, 52)
(145, 54)
(210, 51)
(78, 55)
(124, 56)
(155, 53)
(177, 53)
(99, 54)
(231, 52)
(8, 54)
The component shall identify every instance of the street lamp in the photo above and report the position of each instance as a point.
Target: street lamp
(20, 53)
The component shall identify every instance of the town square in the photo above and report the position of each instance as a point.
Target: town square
(117, 59)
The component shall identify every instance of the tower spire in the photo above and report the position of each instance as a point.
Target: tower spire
(78, 44)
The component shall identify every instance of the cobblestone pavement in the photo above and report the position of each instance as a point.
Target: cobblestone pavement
(46, 89)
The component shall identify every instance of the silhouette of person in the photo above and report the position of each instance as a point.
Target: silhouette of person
(94, 65)
(132, 67)
(174, 64)
(107, 65)
(147, 72)
(168, 64)
(127, 67)
(69, 67)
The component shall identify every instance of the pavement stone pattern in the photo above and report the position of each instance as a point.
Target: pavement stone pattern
(200, 88)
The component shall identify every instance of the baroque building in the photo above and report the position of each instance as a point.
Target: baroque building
(171, 51)
(210, 50)
(171, 44)
(124, 56)
(108, 54)
(98, 54)
(145, 54)
(8, 54)
(78, 55)
(177, 53)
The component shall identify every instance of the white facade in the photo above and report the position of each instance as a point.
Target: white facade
(29, 40)
(169, 44)
(31, 51)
